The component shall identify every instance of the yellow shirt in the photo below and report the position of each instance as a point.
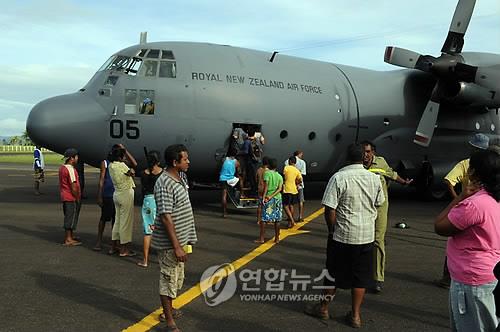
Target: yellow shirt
(292, 174)
(117, 171)
(381, 167)
(459, 173)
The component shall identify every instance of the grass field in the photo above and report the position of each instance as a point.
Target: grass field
(27, 158)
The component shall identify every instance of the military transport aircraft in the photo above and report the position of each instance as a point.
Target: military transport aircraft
(155, 94)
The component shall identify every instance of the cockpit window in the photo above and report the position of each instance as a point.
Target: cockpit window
(119, 63)
(133, 67)
(153, 54)
(167, 55)
(107, 63)
(142, 52)
(167, 69)
(149, 68)
(111, 80)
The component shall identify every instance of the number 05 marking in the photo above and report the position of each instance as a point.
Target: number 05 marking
(117, 129)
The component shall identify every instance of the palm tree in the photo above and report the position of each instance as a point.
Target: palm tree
(14, 140)
(26, 138)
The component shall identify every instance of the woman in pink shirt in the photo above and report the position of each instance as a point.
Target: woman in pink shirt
(472, 223)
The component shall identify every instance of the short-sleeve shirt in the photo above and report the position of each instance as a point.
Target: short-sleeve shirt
(172, 197)
(459, 174)
(473, 252)
(121, 181)
(67, 176)
(301, 166)
(273, 180)
(354, 193)
(292, 174)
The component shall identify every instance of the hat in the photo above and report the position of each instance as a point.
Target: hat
(479, 141)
(70, 153)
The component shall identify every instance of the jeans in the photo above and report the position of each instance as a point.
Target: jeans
(472, 308)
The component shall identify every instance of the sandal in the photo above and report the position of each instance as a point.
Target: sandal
(176, 315)
(128, 254)
(351, 321)
(142, 264)
(314, 310)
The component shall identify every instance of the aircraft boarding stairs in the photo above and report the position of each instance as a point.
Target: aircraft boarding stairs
(242, 203)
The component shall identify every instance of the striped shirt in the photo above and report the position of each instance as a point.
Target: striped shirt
(172, 197)
(354, 193)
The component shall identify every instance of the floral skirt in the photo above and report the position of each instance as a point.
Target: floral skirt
(272, 210)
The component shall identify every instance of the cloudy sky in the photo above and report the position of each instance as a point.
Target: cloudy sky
(53, 47)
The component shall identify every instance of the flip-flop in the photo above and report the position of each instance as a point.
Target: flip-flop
(351, 321)
(97, 248)
(72, 244)
(314, 311)
(112, 251)
(129, 254)
(177, 313)
(258, 241)
(142, 264)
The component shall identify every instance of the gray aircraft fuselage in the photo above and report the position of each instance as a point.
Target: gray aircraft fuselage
(314, 106)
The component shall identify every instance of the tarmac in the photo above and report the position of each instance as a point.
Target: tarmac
(48, 287)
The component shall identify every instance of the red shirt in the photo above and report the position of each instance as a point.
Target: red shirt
(67, 176)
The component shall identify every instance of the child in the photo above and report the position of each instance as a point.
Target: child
(260, 186)
(148, 181)
(271, 199)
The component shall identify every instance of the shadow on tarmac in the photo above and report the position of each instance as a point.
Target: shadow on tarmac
(89, 294)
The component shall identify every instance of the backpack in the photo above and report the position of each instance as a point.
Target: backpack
(255, 150)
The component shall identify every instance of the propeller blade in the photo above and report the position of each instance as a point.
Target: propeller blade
(401, 57)
(461, 18)
(427, 123)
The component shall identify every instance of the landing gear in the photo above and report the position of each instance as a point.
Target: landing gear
(427, 186)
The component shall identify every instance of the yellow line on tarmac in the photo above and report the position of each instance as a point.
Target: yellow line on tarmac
(151, 320)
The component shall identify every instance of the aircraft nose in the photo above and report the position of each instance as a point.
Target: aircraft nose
(65, 121)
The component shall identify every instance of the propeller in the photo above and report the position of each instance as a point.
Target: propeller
(442, 67)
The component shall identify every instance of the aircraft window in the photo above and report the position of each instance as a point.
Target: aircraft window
(338, 137)
(149, 68)
(386, 122)
(167, 55)
(142, 52)
(133, 68)
(147, 104)
(111, 80)
(119, 63)
(153, 54)
(283, 134)
(167, 69)
(130, 101)
(106, 64)
(312, 135)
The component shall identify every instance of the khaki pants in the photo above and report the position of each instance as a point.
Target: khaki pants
(124, 219)
(379, 244)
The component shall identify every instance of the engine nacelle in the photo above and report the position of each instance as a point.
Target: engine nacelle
(472, 94)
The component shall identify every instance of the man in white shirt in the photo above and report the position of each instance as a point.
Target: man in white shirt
(351, 200)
